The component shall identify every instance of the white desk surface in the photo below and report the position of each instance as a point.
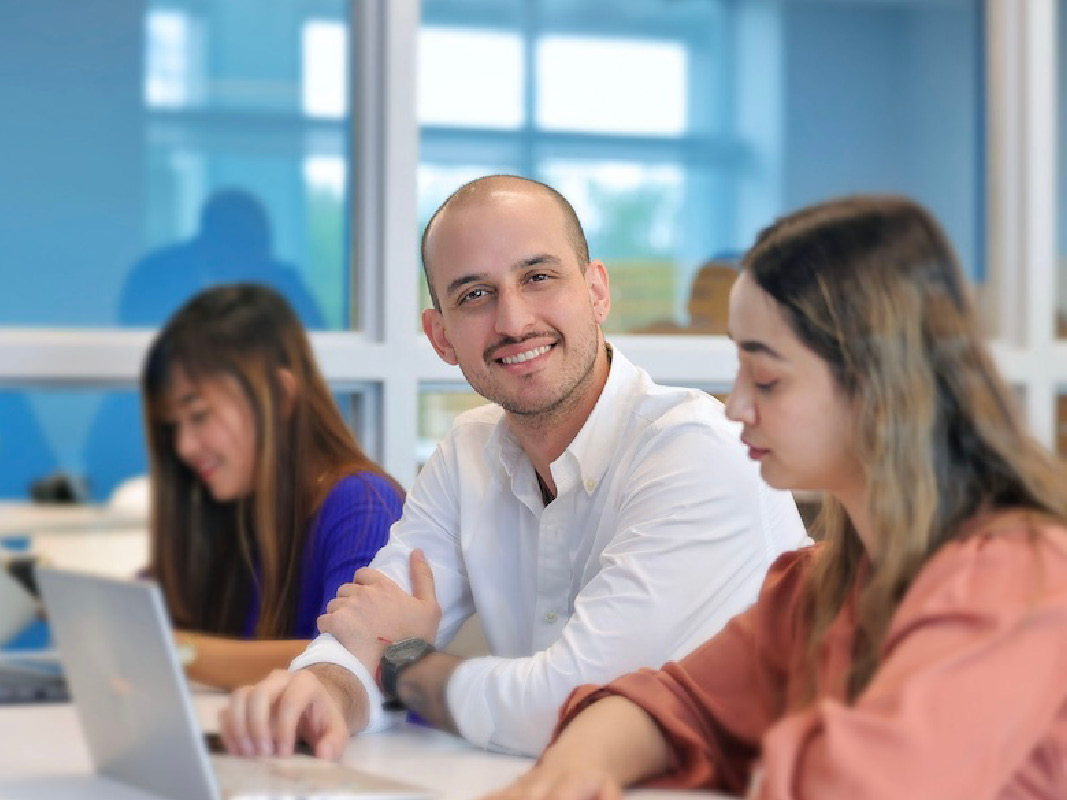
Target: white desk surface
(43, 757)
(20, 517)
(94, 539)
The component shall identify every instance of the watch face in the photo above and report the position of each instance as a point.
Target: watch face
(405, 650)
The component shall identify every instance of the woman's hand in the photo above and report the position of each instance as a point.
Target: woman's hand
(612, 743)
(552, 782)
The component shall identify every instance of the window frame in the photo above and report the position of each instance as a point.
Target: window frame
(391, 359)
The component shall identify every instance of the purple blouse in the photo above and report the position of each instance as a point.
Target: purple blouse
(348, 531)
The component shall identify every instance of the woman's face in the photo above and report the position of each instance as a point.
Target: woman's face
(214, 433)
(796, 421)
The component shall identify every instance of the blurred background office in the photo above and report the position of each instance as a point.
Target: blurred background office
(677, 127)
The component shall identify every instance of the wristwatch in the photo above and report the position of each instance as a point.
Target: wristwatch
(397, 657)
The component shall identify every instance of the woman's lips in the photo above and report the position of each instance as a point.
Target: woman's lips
(755, 453)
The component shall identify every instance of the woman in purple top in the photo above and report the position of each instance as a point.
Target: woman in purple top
(262, 501)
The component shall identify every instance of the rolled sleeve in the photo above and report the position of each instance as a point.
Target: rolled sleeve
(325, 649)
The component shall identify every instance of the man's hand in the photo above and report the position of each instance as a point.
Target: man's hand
(373, 611)
(320, 704)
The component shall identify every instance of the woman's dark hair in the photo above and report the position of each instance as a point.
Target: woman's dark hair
(209, 556)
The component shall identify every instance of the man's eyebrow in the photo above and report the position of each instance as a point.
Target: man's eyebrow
(535, 260)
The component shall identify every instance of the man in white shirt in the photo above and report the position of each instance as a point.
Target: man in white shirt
(595, 521)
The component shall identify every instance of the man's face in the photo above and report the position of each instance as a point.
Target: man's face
(518, 313)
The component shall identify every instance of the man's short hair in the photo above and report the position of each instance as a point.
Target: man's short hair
(479, 188)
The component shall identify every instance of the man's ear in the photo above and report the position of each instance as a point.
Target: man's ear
(287, 381)
(596, 276)
(434, 326)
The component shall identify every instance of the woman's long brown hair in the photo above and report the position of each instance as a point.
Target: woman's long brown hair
(205, 554)
(872, 286)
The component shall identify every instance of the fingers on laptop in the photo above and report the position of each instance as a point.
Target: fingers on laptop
(324, 727)
(246, 721)
(264, 719)
(306, 709)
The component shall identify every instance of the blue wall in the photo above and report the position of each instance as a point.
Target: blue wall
(856, 121)
(72, 164)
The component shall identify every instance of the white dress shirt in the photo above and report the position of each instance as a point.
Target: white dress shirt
(661, 531)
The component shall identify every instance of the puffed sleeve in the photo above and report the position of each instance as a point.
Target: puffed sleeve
(715, 704)
(970, 692)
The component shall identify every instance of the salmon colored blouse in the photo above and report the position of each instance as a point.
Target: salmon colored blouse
(970, 699)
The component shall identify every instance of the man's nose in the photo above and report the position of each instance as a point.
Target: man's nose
(513, 313)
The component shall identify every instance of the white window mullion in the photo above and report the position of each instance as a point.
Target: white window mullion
(396, 32)
(1040, 231)
(1021, 194)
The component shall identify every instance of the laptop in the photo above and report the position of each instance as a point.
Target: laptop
(132, 699)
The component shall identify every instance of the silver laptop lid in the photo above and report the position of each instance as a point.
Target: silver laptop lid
(128, 687)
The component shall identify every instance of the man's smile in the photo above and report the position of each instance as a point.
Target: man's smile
(518, 358)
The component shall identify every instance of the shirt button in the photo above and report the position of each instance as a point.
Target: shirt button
(551, 617)
(590, 484)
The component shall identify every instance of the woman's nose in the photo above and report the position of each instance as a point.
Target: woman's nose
(739, 406)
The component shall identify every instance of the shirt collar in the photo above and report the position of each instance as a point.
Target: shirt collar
(589, 454)
(592, 450)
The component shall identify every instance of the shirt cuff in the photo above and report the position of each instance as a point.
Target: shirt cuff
(325, 649)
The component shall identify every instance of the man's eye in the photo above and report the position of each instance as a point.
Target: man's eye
(473, 294)
(765, 387)
(538, 277)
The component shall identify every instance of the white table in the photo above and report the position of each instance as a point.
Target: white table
(90, 538)
(19, 517)
(43, 757)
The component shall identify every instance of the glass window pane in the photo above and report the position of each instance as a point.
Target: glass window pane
(633, 214)
(325, 75)
(640, 86)
(485, 66)
(680, 130)
(438, 407)
(93, 436)
(149, 149)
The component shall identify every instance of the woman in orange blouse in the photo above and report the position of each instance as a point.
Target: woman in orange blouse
(919, 651)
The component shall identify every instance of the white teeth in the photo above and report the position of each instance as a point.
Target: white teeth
(518, 359)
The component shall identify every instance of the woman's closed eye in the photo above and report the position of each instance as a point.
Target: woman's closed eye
(199, 416)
